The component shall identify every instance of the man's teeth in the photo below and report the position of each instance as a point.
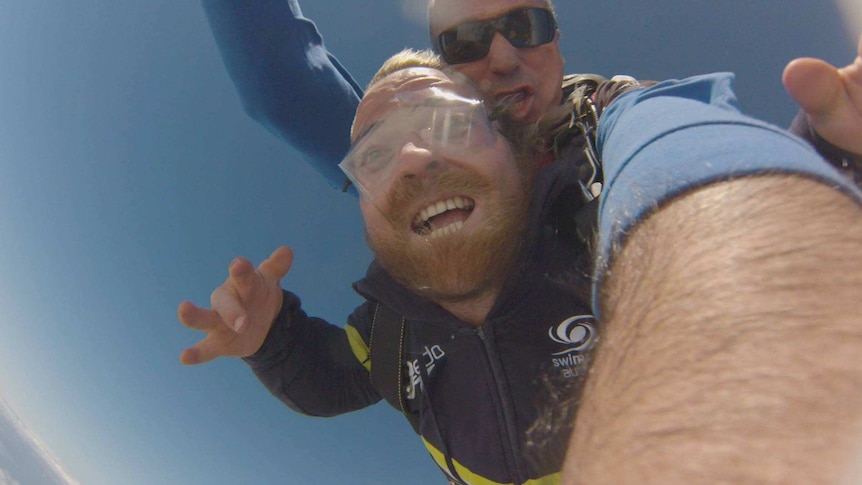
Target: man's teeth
(447, 230)
(423, 219)
(441, 207)
(511, 99)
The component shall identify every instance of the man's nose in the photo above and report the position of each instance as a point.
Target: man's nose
(502, 55)
(417, 160)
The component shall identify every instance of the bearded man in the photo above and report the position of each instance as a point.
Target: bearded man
(493, 304)
(490, 292)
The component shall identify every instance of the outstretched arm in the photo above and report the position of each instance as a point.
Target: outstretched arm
(831, 98)
(286, 79)
(305, 362)
(728, 294)
(732, 328)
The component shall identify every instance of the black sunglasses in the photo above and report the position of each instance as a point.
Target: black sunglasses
(470, 41)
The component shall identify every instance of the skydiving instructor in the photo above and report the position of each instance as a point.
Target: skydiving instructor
(301, 93)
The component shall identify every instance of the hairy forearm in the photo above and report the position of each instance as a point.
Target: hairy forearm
(731, 344)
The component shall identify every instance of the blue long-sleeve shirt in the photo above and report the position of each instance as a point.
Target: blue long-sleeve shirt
(665, 140)
(289, 83)
(286, 79)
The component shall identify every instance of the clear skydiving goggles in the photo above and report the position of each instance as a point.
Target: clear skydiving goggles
(446, 124)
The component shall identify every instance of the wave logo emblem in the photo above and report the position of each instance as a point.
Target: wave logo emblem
(578, 331)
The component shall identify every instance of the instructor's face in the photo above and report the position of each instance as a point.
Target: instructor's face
(529, 79)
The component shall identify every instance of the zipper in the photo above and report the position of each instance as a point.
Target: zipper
(509, 428)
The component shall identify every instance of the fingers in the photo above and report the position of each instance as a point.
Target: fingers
(200, 353)
(189, 356)
(227, 312)
(854, 70)
(240, 275)
(226, 299)
(278, 263)
(197, 318)
(240, 267)
(814, 84)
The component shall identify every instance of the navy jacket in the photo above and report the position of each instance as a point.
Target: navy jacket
(477, 390)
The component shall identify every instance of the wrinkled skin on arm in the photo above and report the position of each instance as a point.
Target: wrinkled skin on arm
(733, 326)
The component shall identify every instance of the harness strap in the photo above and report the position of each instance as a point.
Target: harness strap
(388, 329)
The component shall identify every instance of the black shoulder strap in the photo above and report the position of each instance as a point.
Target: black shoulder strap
(388, 330)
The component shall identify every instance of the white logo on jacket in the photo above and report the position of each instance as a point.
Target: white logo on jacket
(579, 333)
(432, 356)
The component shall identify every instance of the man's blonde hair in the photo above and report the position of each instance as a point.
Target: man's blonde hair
(406, 59)
(529, 141)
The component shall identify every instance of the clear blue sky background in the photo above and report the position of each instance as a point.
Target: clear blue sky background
(130, 177)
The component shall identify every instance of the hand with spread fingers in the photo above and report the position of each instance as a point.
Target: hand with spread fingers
(831, 97)
(242, 310)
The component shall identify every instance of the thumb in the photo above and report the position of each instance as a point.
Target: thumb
(814, 84)
(278, 263)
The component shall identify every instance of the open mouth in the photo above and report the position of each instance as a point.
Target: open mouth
(511, 100)
(443, 217)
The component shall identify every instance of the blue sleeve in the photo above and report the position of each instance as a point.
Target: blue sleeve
(659, 142)
(286, 79)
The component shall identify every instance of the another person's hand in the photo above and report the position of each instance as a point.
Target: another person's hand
(831, 97)
(242, 309)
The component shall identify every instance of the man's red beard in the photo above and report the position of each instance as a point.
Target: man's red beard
(456, 266)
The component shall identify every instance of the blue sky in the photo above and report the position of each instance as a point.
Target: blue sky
(130, 177)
